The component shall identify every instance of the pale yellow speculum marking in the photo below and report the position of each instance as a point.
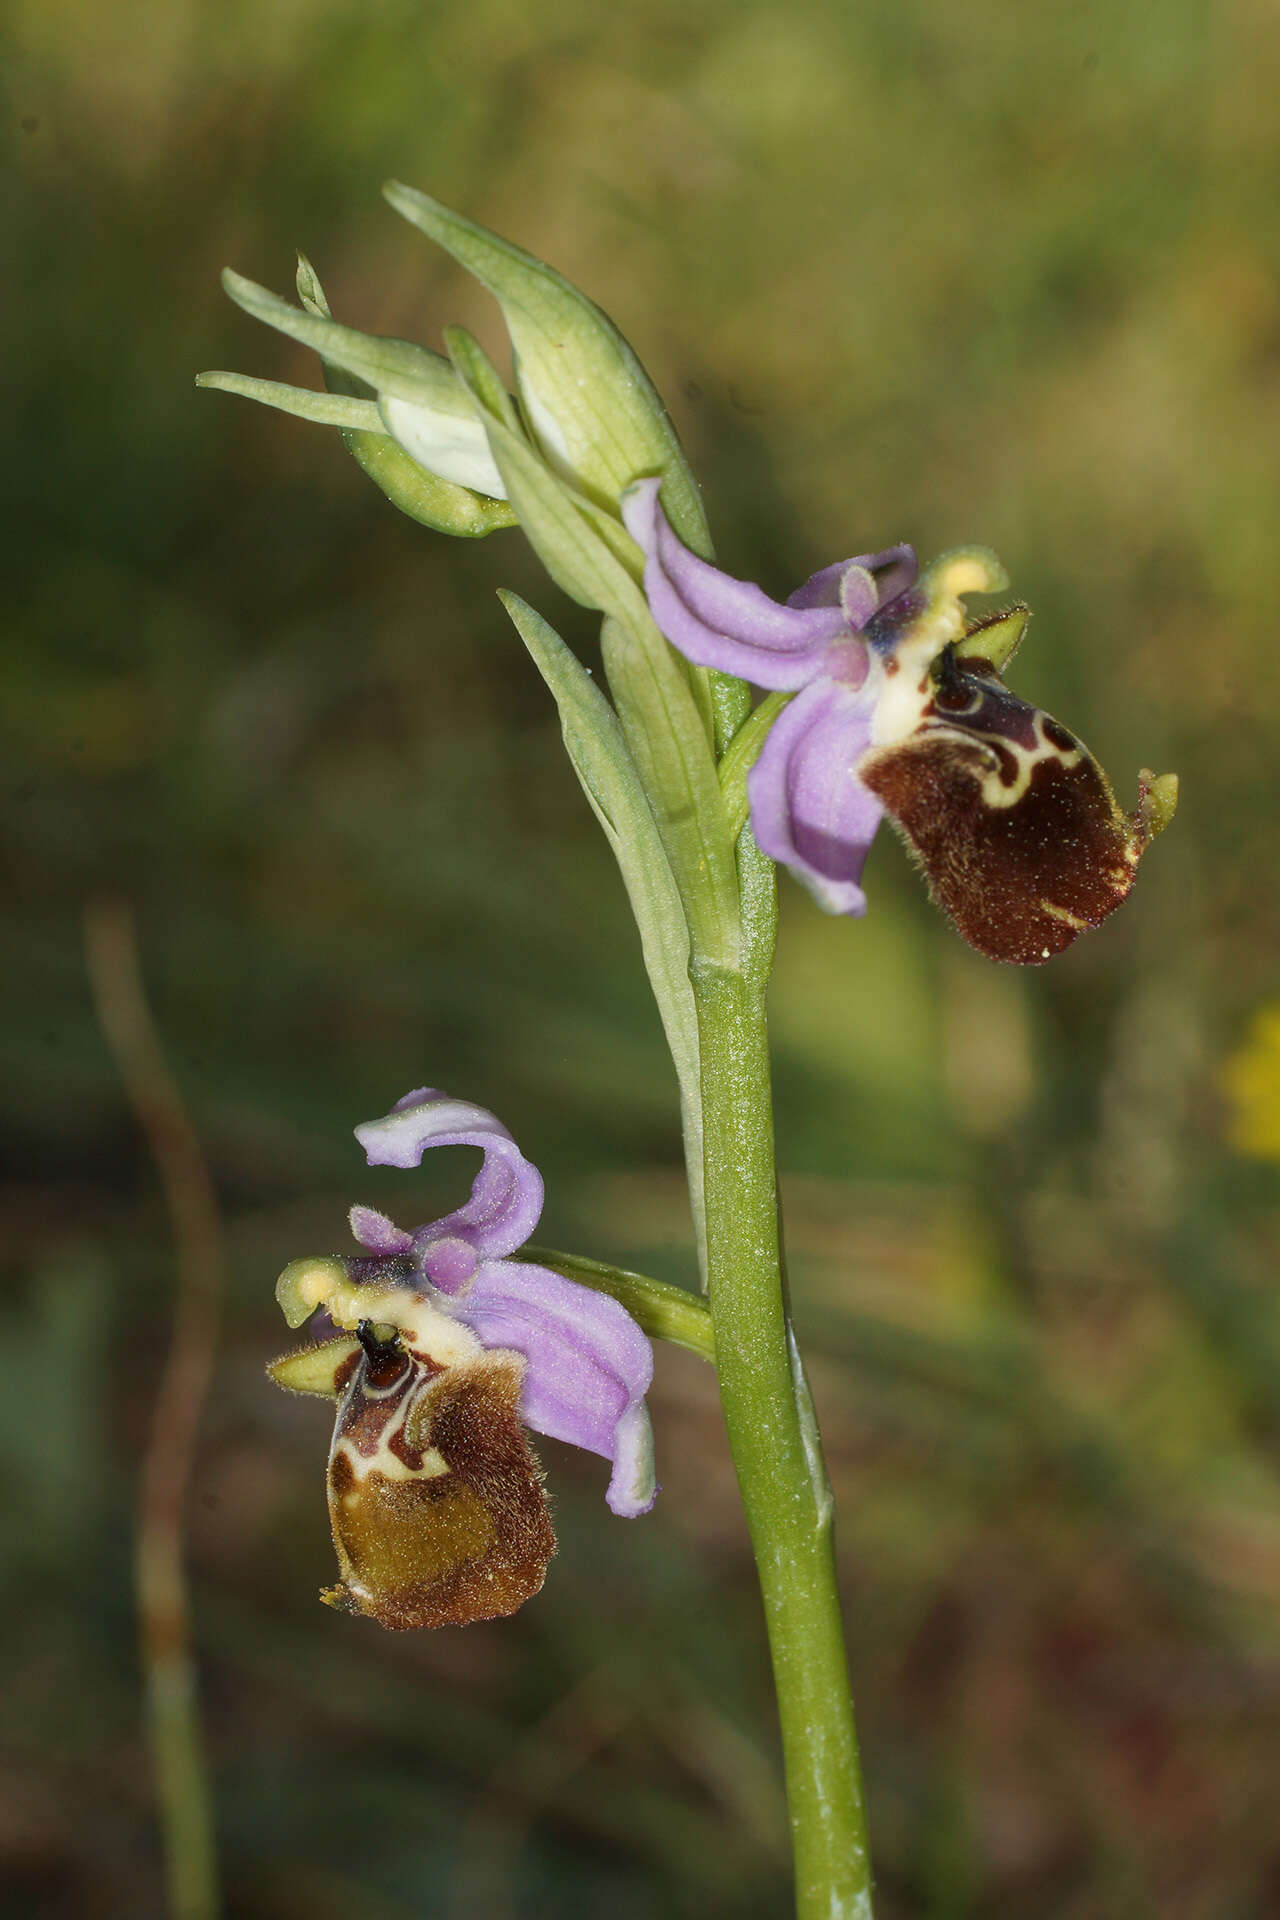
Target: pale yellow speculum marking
(390, 1466)
(994, 791)
(1068, 918)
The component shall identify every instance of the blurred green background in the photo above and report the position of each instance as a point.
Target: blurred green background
(912, 271)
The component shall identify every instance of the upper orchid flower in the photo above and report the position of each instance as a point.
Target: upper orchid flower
(900, 708)
(435, 1499)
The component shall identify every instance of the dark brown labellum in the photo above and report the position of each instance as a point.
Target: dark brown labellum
(1010, 816)
(436, 1501)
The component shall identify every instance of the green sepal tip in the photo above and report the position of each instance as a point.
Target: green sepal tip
(323, 409)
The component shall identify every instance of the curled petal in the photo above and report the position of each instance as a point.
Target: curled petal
(721, 622)
(632, 1487)
(894, 569)
(506, 1197)
(821, 589)
(588, 1368)
(808, 811)
(858, 597)
(380, 1235)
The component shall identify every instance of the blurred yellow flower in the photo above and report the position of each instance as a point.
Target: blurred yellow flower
(1251, 1083)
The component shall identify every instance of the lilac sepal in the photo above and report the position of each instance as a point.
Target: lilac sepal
(717, 621)
(589, 1367)
(506, 1196)
(808, 809)
(809, 812)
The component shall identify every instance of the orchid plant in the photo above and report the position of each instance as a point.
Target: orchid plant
(882, 694)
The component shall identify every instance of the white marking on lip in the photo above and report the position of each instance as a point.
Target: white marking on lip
(388, 1463)
(1064, 914)
(995, 793)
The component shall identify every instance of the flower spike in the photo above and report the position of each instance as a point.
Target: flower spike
(435, 1499)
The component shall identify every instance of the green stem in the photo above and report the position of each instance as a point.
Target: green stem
(776, 1453)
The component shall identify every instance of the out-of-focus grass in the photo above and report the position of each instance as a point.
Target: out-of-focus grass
(901, 272)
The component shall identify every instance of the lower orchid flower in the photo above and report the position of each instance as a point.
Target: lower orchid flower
(449, 1349)
(900, 708)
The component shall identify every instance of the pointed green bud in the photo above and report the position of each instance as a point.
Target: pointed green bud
(423, 405)
(393, 368)
(589, 402)
(432, 502)
(310, 292)
(577, 542)
(403, 414)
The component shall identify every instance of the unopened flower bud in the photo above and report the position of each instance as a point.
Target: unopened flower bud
(403, 413)
(590, 404)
